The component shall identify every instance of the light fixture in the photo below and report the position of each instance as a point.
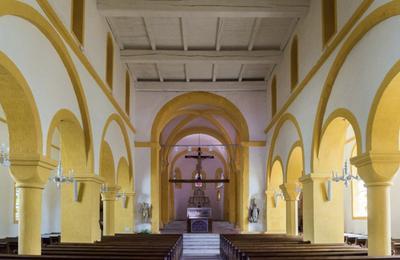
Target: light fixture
(59, 178)
(189, 149)
(277, 195)
(5, 156)
(122, 196)
(346, 176)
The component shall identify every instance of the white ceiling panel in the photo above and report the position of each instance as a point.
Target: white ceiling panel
(201, 33)
(144, 71)
(236, 33)
(172, 71)
(199, 71)
(166, 32)
(131, 32)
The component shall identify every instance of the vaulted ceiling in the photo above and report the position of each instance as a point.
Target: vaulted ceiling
(202, 44)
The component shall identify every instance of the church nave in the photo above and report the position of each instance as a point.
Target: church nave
(199, 129)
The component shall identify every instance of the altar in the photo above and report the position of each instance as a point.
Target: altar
(199, 220)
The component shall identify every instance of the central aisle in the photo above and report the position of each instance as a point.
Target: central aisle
(200, 246)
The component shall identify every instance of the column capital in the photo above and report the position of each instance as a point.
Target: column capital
(312, 177)
(31, 170)
(378, 168)
(89, 178)
(111, 193)
(291, 191)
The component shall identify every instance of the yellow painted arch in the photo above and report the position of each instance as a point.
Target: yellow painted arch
(379, 15)
(25, 130)
(107, 166)
(285, 118)
(28, 13)
(292, 163)
(72, 140)
(389, 79)
(275, 181)
(339, 113)
(117, 119)
(169, 111)
(198, 130)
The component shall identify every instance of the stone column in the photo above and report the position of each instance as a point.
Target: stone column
(323, 219)
(108, 197)
(377, 171)
(86, 209)
(291, 192)
(275, 213)
(31, 173)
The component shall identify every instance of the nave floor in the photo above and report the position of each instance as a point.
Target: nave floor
(200, 246)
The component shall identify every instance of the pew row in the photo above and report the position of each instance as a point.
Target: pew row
(268, 246)
(151, 247)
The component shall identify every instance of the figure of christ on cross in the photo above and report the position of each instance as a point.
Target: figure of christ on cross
(199, 157)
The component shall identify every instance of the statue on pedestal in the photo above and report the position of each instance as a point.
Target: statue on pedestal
(254, 211)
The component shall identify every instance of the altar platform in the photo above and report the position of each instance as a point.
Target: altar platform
(180, 227)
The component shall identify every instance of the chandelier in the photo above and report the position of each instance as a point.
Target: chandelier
(346, 177)
(5, 156)
(59, 178)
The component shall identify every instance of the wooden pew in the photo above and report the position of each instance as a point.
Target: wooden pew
(244, 247)
(150, 247)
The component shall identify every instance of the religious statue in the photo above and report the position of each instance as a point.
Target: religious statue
(254, 211)
(145, 209)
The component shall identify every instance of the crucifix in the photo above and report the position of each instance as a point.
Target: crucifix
(198, 178)
(199, 157)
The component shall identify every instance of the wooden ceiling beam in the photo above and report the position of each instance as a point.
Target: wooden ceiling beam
(207, 57)
(182, 86)
(204, 8)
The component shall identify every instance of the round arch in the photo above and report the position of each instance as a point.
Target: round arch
(117, 119)
(107, 167)
(333, 135)
(26, 12)
(172, 108)
(175, 107)
(295, 164)
(285, 118)
(277, 174)
(383, 121)
(23, 121)
(379, 15)
(72, 140)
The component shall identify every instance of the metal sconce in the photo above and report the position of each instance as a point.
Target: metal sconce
(277, 195)
(5, 156)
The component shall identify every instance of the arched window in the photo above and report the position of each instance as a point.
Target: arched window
(273, 96)
(127, 93)
(328, 20)
(78, 18)
(294, 63)
(109, 61)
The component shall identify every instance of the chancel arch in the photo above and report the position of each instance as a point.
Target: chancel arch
(209, 107)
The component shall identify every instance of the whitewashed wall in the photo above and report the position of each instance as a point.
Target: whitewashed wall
(46, 75)
(355, 87)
